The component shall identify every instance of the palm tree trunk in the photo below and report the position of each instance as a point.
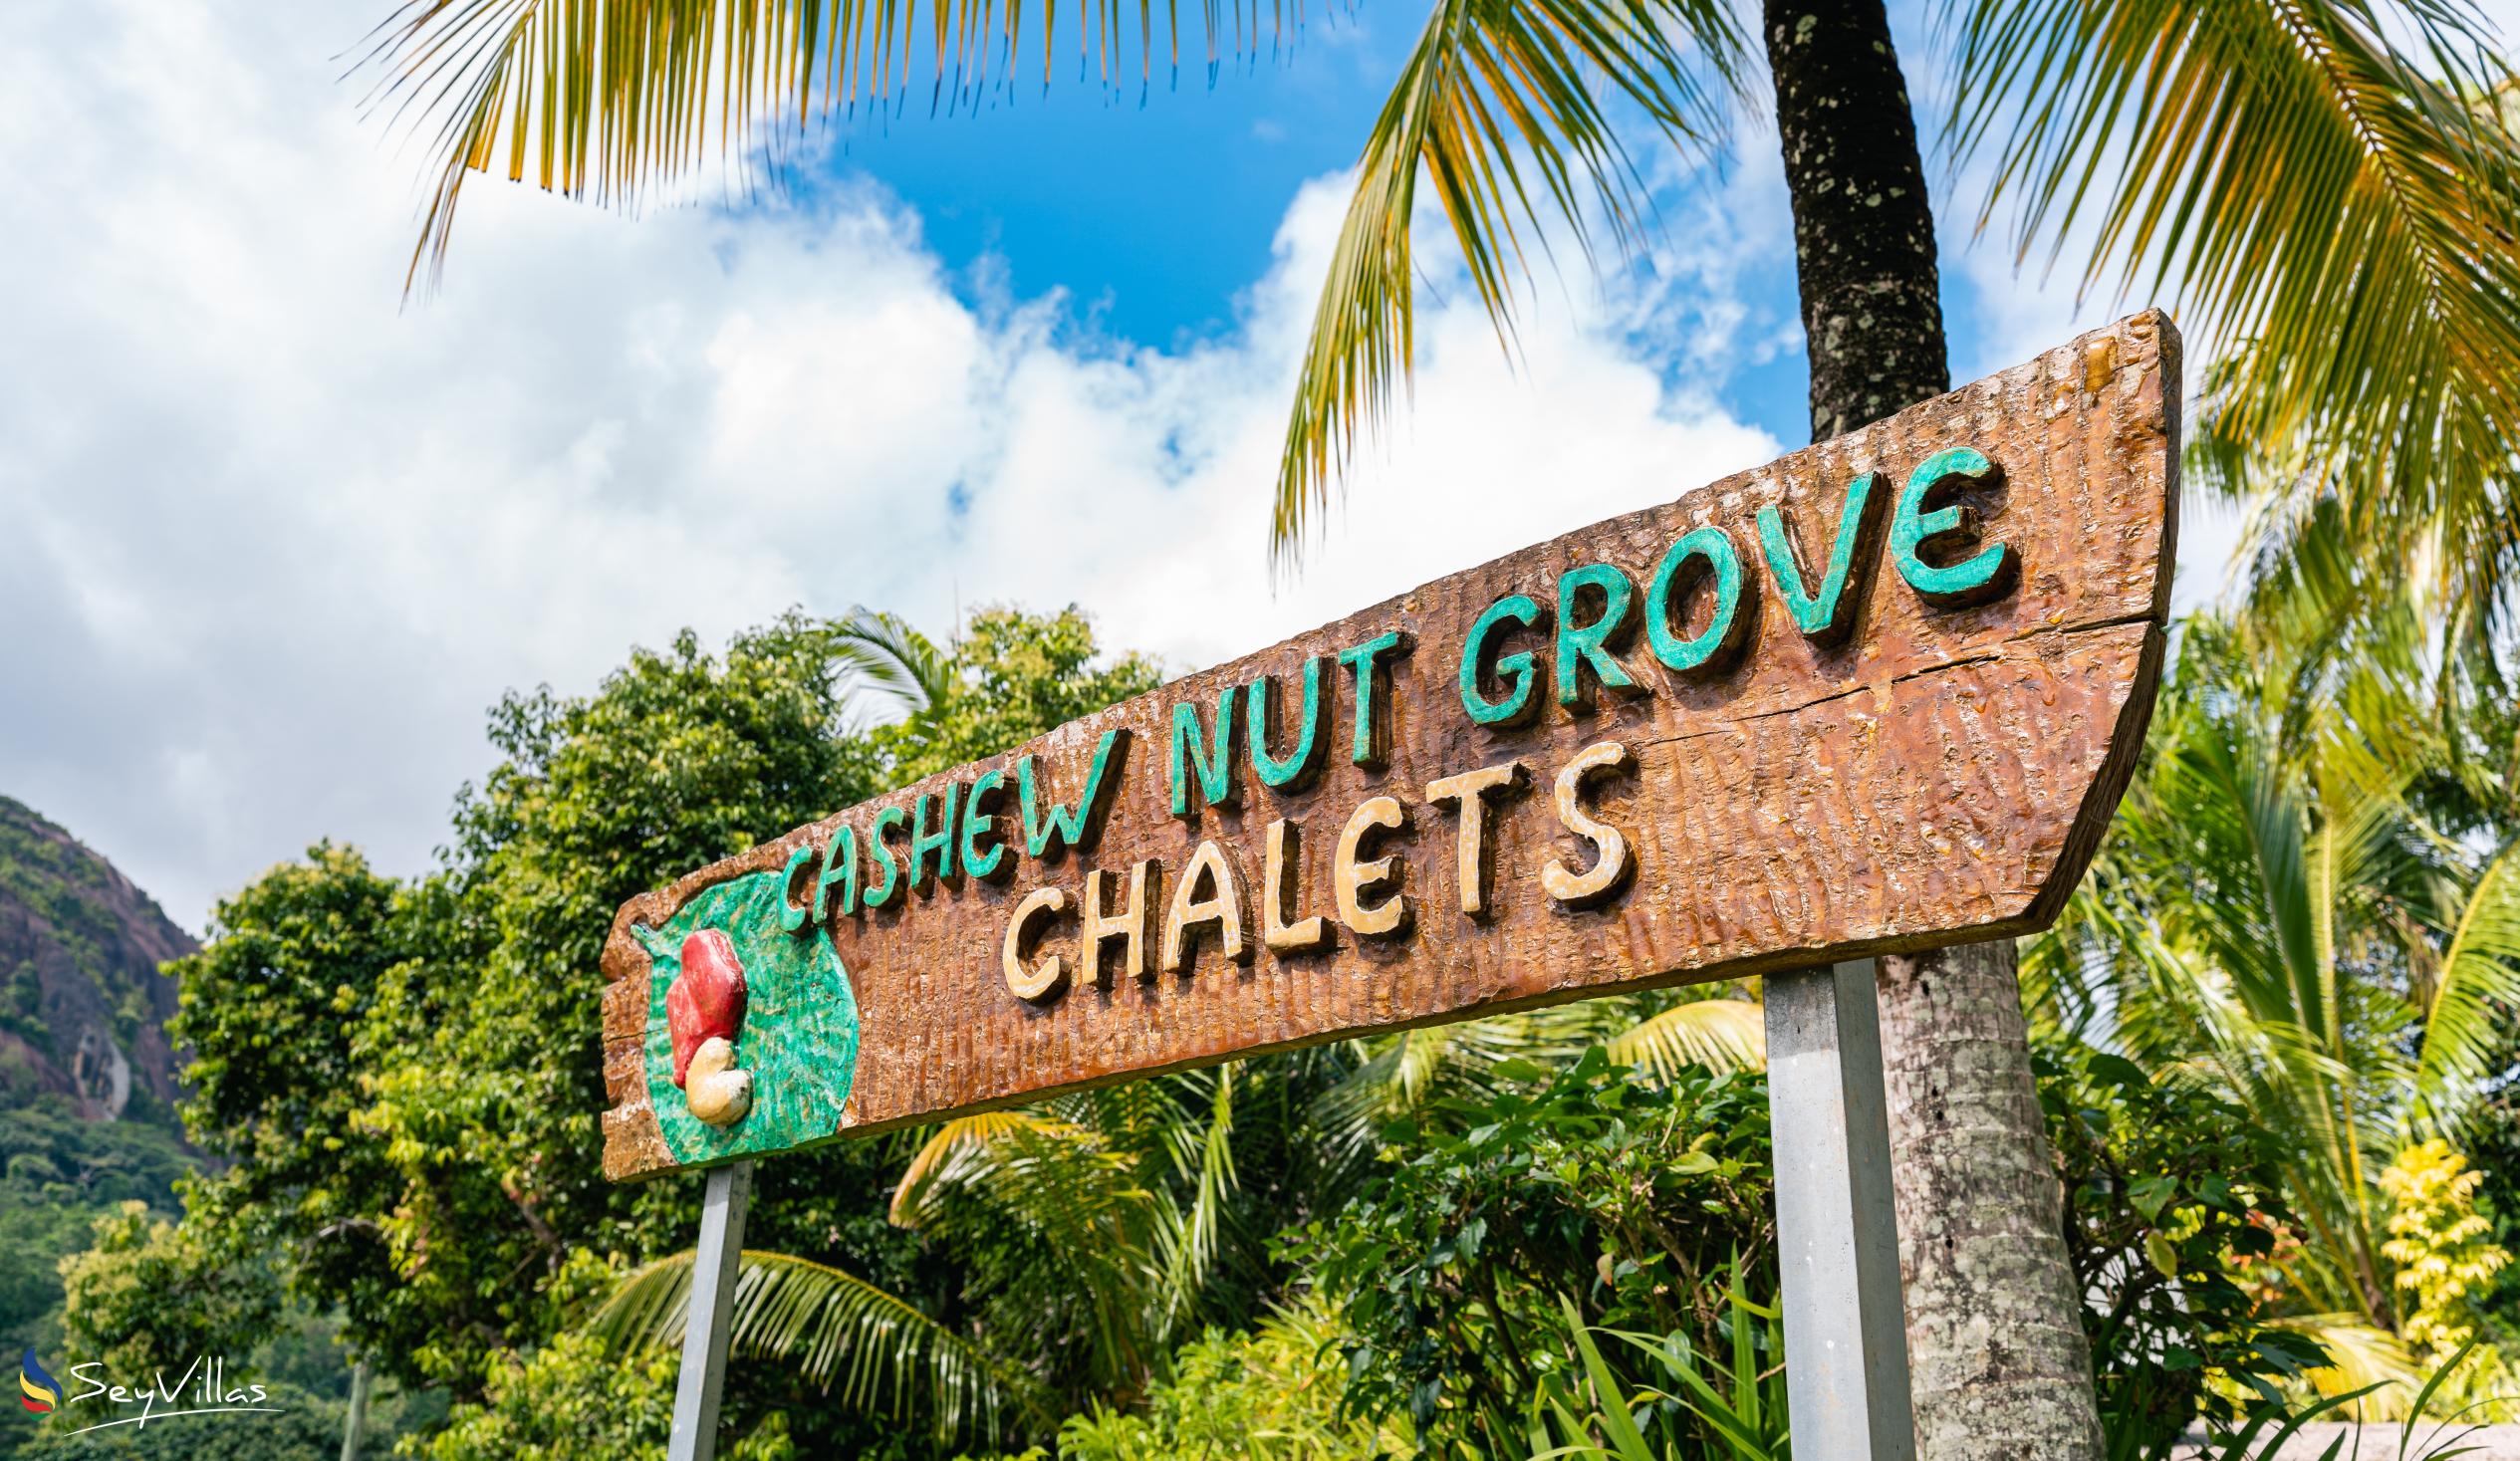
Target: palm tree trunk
(1995, 1343)
(1862, 229)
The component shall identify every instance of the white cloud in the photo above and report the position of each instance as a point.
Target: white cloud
(273, 543)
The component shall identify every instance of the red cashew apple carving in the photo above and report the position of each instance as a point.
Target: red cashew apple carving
(705, 1011)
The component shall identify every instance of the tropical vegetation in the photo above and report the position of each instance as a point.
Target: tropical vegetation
(2274, 1030)
(2327, 187)
(1542, 1230)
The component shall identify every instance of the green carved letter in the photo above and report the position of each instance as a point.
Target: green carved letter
(1045, 834)
(791, 914)
(1825, 617)
(976, 823)
(1588, 644)
(932, 849)
(1370, 662)
(883, 892)
(1300, 763)
(1712, 649)
(840, 870)
(1191, 754)
(1990, 575)
(1512, 669)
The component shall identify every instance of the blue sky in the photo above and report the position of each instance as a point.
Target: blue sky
(1151, 208)
(280, 537)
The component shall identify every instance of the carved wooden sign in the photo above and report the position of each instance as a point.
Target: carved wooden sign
(1879, 695)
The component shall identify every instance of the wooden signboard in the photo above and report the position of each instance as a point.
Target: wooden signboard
(1879, 695)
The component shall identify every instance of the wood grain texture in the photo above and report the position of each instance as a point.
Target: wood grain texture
(1939, 774)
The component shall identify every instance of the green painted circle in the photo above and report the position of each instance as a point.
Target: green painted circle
(800, 1033)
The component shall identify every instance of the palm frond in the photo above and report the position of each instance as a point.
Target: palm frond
(2339, 214)
(1719, 1034)
(881, 1355)
(607, 100)
(2477, 994)
(1191, 1241)
(1072, 1203)
(2362, 1358)
(1501, 103)
(2260, 869)
(1407, 1072)
(950, 1154)
(882, 652)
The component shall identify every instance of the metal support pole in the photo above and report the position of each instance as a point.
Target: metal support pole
(714, 1271)
(359, 1383)
(1836, 1232)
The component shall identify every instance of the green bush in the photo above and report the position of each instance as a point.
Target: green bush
(2167, 1190)
(1273, 1392)
(574, 1399)
(147, 1292)
(1590, 1184)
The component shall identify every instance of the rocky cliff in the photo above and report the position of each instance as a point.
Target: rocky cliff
(83, 1008)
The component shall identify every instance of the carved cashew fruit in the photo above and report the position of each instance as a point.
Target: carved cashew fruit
(704, 1012)
(719, 1094)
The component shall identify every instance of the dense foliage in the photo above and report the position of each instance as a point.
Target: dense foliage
(1274, 1393)
(58, 1174)
(1627, 1198)
(2170, 1195)
(2306, 922)
(1538, 1230)
(400, 1071)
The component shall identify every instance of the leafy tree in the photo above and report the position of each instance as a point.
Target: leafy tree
(483, 1070)
(489, 1079)
(405, 1078)
(2337, 210)
(2171, 1196)
(271, 1009)
(1631, 1199)
(574, 1400)
(1273, 1392)
(147, 1292)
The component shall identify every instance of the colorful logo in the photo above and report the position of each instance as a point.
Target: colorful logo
(39, 1392)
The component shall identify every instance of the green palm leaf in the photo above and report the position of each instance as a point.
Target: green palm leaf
(1719, 1034)
(2260, 872)
(1411, 1071)
(2477, 994)
(842, 1332)
(2340, 216)
(883, 652)
(953, 1154)
(1501, 103)
(1071, 1201)
(2371, 1364)
(607, 100)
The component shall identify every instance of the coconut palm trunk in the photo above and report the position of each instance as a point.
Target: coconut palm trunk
(2345, 203)
(1995, 1343)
